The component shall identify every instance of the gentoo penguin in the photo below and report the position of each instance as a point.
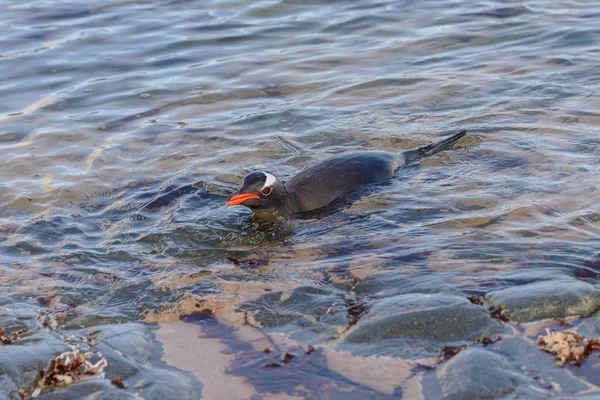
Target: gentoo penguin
(327, 180)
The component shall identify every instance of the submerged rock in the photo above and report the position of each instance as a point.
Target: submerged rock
(547, 299)
(97, 389)
(526, 356)
(309, 311)
(18, 316)
(132, 353)
(418, 325)
(393, 284)
(84, 317)
(21, 361)
(478, 374)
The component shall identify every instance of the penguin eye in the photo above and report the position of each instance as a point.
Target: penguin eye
(266, 191)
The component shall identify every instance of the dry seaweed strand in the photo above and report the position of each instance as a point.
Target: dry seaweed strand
(486, 340)
(447, 352)
(118, 382)
(568, 347)
(8, 339)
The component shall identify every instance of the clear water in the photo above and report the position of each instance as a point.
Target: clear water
(124, 125)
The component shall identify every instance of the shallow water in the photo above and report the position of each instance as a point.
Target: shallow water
(124, 125)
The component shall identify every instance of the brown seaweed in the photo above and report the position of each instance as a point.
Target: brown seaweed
(475, 300)
(568, 347)
(69, 367)
(447, 352)
(8, 339)
(118, 382)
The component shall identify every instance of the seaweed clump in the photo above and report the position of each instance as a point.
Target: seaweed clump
(70, 367)
(9, 338)
(497, 312)
(447, 352)
(568, 347)
(474, 299)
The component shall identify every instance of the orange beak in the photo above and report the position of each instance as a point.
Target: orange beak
(240, 198)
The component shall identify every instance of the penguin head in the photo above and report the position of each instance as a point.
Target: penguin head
(261, 191)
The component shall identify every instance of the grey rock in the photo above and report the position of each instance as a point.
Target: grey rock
(84, 317)
(548, 299)
(18, 316)
(323, 310)
(166, 383)
(201, 288)
(424, 316)
(479, 375)
(529, 275)
(418, 325)
(132, 354)
(21, 361)
(94, 389)
(8, 389)
(4, 300)
(127, 347)
(528, 357)
(587, 327)
(135, 341)
(393, 284)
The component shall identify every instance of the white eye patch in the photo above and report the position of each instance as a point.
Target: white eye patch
(270, 180)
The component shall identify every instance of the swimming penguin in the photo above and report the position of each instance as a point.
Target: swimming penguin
(327, 180)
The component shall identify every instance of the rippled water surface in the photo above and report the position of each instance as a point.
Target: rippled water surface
(124, 125)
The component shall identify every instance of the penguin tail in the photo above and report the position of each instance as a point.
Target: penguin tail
(433, 148)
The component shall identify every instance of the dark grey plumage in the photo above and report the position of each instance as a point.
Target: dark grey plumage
(327, 180)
